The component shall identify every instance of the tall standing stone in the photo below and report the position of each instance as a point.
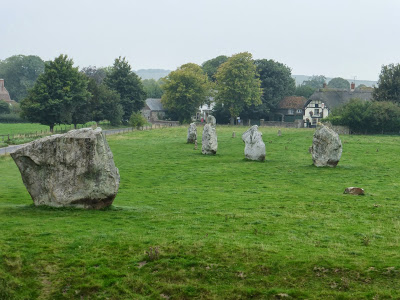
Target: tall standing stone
(209, 140)
(75, 169)
(326, 148)
(192, 133)
(255, 147)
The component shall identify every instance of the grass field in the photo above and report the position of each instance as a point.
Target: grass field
(188, 226)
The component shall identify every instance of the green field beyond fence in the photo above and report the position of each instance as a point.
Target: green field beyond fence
(189, 226)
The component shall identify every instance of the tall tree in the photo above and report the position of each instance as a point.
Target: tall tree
(104, 103)
(339, 83)
(388, 84)
(152, 88)
(20, 73)
(97, 74)
(315, 81)
(238, 84)
(185, 90)
(58, 96)
(304, 90)
(122, 79)
(211, 66)
(276, 82)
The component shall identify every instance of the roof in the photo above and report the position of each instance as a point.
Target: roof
(292, 102)
(335, 97)
(154, 104)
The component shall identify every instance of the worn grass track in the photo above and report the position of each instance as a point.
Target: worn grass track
(188, 226)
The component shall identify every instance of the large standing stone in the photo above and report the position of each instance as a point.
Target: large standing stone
(255, 147)
(192, 133)
(209, 140)
(327, 147)
(73, 169)
(211, 120)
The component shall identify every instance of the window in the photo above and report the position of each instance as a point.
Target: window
(290, 111)
(299, 111)
(314, 121)
(316, 104)
(316, 111)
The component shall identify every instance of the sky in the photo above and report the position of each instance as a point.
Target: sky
(337, 38)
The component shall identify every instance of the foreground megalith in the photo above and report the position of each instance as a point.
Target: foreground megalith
(326, 148)
(209, 140)
(75, 169)
(255, 147)
(192, 133)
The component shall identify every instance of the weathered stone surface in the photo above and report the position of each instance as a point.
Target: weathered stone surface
(192, 133)
(255, 147)
(212, 121)
(209, 140)
(73, 169)
(326, 148)
(354, 191)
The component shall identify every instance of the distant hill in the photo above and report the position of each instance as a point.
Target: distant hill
(300, 78)
(152, 73)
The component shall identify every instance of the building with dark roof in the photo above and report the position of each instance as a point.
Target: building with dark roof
(153, 110)
(290, 109)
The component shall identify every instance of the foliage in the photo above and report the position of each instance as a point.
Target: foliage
(367, 117)
(20, 73)
(58, 96)
(238, 84)
(11, 118)
(4, 107)
(211, 66)
(276, 82)
(104, 103)
(185, 90)
(339, 83)
(137, 120)
(221, 229)
(316, 81)
(152, 88)
(221, 113)
(122, 79)
(388, 84)
(304, 91)
(97, 74)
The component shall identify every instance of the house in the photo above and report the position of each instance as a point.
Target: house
(290, 109)
(324, 100)
(205, 110)
(4, 95)
(153, 110)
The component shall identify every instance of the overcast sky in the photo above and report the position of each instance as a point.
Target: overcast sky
(344, 38)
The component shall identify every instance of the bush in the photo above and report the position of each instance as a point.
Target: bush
(11, 118)
(137, 120)
(367, 117)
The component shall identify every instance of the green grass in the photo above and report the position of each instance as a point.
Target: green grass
(189, 226)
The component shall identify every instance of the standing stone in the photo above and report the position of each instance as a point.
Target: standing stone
(326, 148)
(209, 140)
(211, 120)
(75, 169)
(255, 147)
(192, 133)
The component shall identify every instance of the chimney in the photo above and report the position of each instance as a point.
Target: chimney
(1, 84)
(352, 86)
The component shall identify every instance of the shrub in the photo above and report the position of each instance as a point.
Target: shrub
(137, 120)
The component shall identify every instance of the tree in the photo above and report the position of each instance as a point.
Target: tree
(104, 103)
(211, 66)
(315, 81)
(20, 73)
(304, 91)
(339, 83)
(4, 107)
(276, 82)
(97, 74)
(388, 84)
(137, 120)
(122, 79)
(185, 90)
(238, 85)
(152, 88)
(58, 96)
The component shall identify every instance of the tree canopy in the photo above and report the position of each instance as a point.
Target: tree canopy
(152, 88)
(4, 107)
(339, 83)
(238, 84)
(211, 66)
(185, 90)
(304, 91)
(20, 73)
(97, 74)
(388, 84)
(122, 79)
(315, 81)
(58, 96)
